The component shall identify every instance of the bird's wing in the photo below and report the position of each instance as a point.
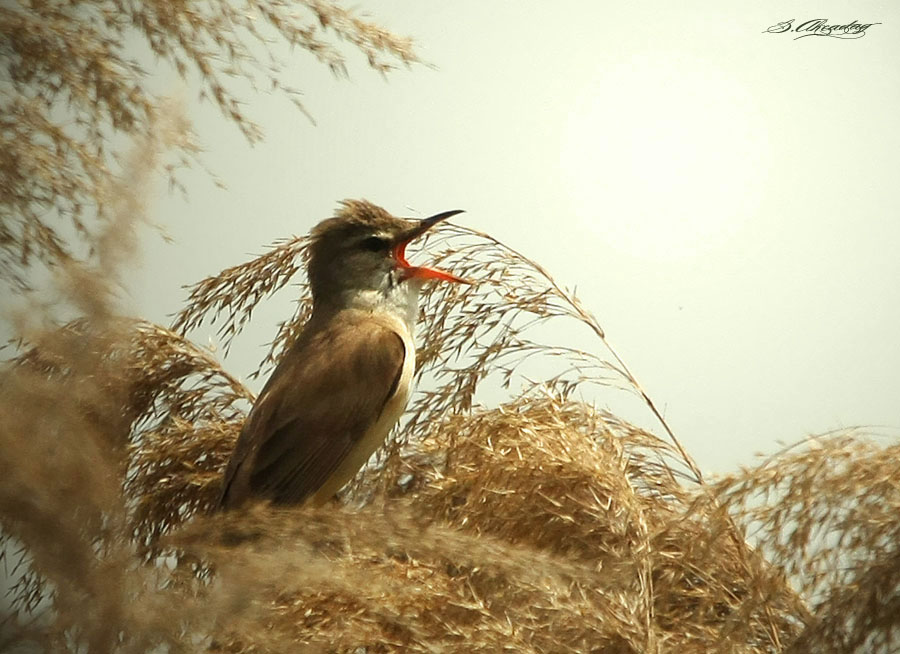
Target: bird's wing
(319, 402)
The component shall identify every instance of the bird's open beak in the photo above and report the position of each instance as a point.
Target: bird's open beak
(422, 272)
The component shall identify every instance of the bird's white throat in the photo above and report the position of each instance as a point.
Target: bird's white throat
(399, 298)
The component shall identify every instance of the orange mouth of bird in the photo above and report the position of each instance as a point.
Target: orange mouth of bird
(410, 271)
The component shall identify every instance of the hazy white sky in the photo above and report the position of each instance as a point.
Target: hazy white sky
(725, 200)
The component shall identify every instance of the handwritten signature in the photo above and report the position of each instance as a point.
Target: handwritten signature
(821, 27)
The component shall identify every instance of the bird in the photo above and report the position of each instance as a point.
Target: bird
(344, 382)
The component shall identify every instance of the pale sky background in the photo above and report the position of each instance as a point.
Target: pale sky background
(725, 200)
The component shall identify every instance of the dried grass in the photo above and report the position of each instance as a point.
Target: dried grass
(826, 514)
(72, 91)
(543, 524)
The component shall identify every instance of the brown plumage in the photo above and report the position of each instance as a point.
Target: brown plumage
(345, 381)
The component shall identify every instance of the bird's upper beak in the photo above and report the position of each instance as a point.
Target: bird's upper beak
(422, 272)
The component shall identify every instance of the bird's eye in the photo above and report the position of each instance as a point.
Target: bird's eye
(375, 244)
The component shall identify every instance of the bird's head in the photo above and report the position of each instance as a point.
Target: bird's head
(363, 248)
